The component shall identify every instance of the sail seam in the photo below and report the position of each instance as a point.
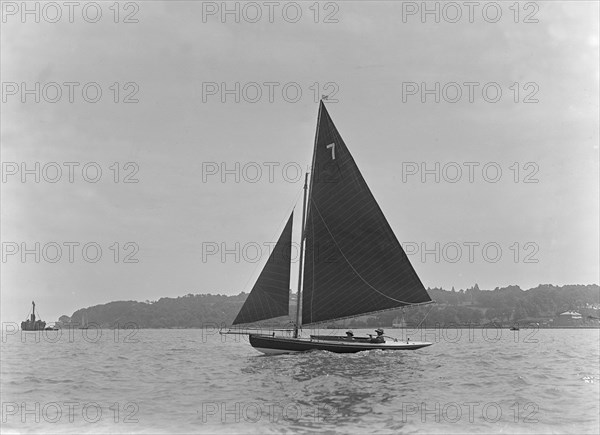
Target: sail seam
(350, 264)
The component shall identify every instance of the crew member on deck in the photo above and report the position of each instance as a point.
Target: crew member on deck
(349, 335)
(379, 338)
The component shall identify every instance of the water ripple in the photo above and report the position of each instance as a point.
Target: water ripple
(184, 381)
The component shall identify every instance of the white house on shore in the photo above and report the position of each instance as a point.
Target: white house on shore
(571, 314)
(568, 318)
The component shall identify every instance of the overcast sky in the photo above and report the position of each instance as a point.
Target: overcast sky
(176, 61)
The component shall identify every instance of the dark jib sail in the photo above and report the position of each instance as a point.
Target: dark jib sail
(354, 264)
(270, 295)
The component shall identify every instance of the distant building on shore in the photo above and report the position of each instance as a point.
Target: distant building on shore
(568, 318)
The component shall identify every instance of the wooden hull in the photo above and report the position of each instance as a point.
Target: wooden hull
(278, 345)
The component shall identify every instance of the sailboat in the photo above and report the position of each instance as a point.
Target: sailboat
(350, 263)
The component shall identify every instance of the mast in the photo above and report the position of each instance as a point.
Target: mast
(300, 265)
(312, 165)
(304, 213)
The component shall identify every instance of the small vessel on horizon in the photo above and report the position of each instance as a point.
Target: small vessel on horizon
(33, 324)
(350, 262)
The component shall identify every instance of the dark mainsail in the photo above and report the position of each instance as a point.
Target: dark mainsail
(353, 264)
(270, 295)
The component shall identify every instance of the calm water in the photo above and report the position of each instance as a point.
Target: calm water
(195, 381)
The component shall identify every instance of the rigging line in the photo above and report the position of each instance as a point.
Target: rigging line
(426, 314)
(350, 264)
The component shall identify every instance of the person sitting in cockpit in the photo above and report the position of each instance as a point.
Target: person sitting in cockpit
(379, 338)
